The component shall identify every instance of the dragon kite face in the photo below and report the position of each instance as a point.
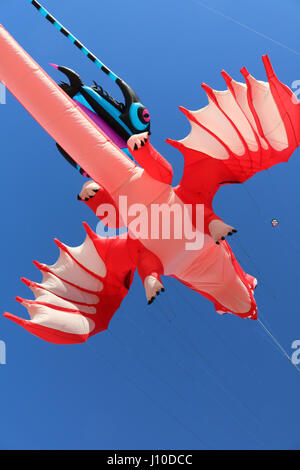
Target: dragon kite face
(117, 120)
(126, 119)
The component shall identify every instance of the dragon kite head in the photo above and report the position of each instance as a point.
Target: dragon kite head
(126, 119)
(117, 120)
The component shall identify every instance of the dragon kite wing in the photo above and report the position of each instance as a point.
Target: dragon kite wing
(80, 293)
(246, 129)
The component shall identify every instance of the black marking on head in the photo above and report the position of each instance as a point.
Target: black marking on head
(78, 44)
(74, 79)
(36, 4)
(105, 69)
(128, 93)
(50, 18)
(98, 89)
(64, 32)
(92, 57)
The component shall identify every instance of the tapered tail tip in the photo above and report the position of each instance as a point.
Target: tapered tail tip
(54, 65)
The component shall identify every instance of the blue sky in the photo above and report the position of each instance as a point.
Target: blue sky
(173, 375)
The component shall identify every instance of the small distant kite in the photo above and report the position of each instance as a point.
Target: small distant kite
(275, 222)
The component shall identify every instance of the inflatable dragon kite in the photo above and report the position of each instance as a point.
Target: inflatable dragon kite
(247, 128)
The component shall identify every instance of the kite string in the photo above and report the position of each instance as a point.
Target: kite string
(221, 339)
(267, 330)
(127, 348)
(150, 397)
(202, 383)
(275, 340)
(193, 376)
(248, 28)
(210, 371)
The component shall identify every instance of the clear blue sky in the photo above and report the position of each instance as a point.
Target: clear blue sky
(173, 375)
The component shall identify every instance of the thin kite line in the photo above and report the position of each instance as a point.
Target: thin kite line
(278, 344)
(229, 18)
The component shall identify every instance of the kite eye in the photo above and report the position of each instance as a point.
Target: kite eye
(139, 116)
(146, 115)
(143, 115)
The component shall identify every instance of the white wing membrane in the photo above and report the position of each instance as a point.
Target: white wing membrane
(69, 290)
(229, 122)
